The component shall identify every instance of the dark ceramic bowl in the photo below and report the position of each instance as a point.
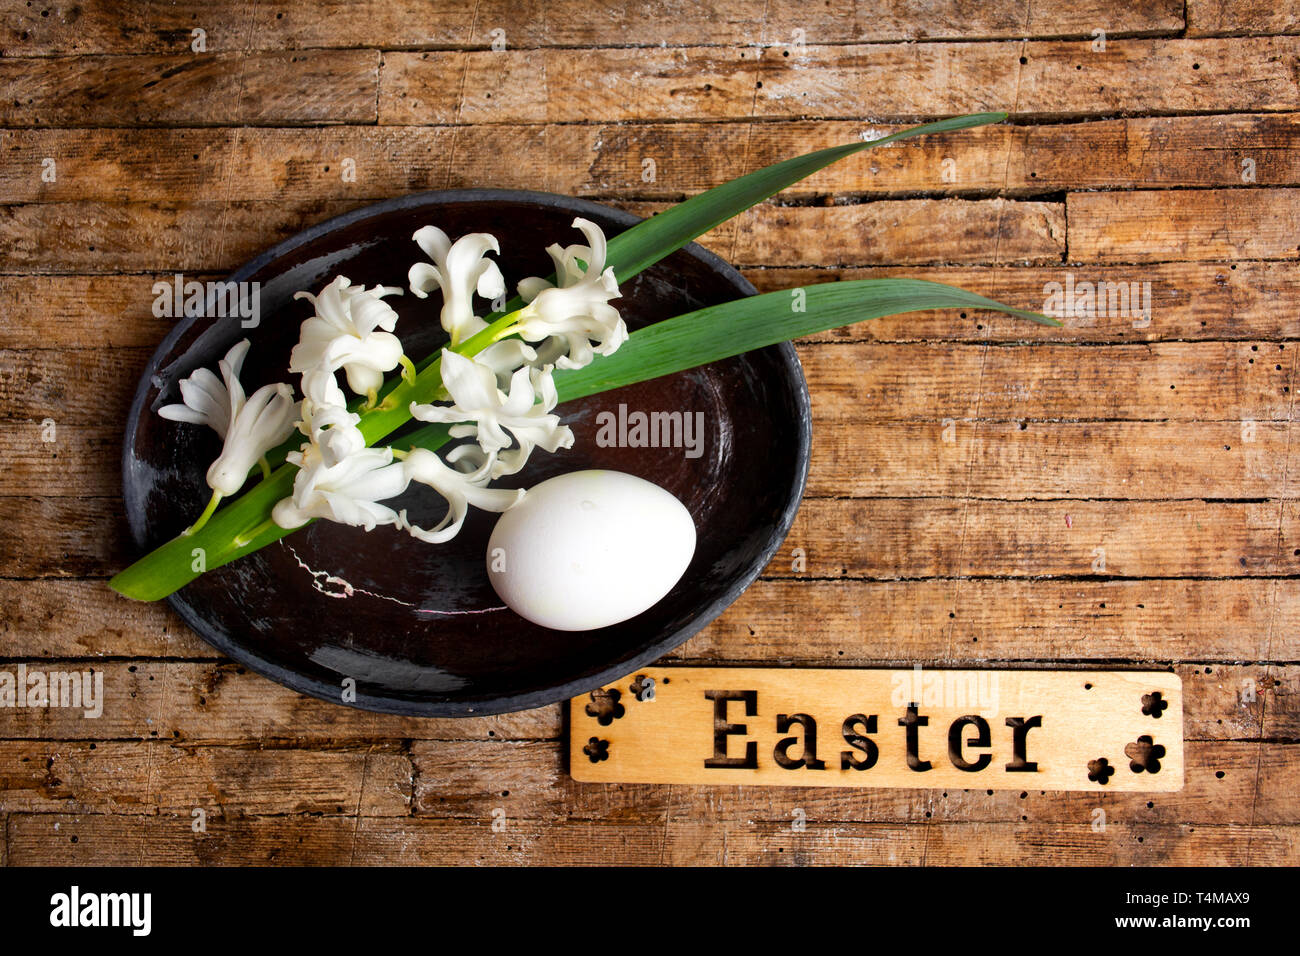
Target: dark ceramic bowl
(418, 626)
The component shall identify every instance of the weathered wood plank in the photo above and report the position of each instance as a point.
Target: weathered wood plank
(1189, 302)
(1133, 460)
(1150, 225)
(81, 619)
(1193, 301)
(859, 382)
(188, 703)
(90, 312)
(193, 237)
(884, 538)
(191, 89)
(883, 80)
(1167, 382)
(171, 165)
(122, 778)
(529, 781)
(100, 26)
(1281, 716)
(145, 237)
(1140, 461)
(899, 622)
(65, 839)
(1241, 17)
(82, 460)
(67, 537)
(893, 232)
(196, 703)
(79, 386)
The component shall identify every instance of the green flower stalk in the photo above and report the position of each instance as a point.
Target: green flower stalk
(244, 524)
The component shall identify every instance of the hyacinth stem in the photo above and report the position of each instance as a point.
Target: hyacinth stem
(207, 513)
(244, 540)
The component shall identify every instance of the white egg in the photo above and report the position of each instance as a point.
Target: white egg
(589, 549)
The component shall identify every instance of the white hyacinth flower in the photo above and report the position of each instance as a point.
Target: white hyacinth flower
(250, 426)
(574, 315)
(352, 330)
(348, 492)
(492, 415)
(459, 270)
(326, 420)
(461, 489)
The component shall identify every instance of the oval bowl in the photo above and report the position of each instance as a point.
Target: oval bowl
(418, 627)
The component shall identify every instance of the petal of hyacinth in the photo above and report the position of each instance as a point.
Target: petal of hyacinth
(205, 401)
(460, 490)
(368, 311)
(423, 278)
(532, 287)
(504, 357)
(471, 384)
(264, 421)
(433, 242)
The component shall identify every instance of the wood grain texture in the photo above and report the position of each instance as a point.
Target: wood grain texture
(607, 160)
(983, 493)
(191, 89)
(1087, 617)
(1240, 18)
(884, 80)
(104, 778)
(1149, 226)
(100, 26)
(58, 839)
(992, 620)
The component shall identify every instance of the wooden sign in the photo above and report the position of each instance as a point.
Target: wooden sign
(994, 729)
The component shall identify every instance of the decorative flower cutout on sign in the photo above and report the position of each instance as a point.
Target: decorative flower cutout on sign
(1154, 704)
(1144, 754)
(1100, 770)
(643, 687)
(605, 707)
(596, 750)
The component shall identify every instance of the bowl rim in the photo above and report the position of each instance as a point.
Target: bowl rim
(501, 704)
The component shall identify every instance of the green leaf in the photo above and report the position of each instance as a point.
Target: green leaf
(647, 242)
(243, 526)
(660, 236)
(721, 331)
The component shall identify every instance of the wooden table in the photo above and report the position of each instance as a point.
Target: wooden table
(983, 492)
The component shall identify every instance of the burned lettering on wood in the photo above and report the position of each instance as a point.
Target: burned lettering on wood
(781, 753)
(722, 729)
